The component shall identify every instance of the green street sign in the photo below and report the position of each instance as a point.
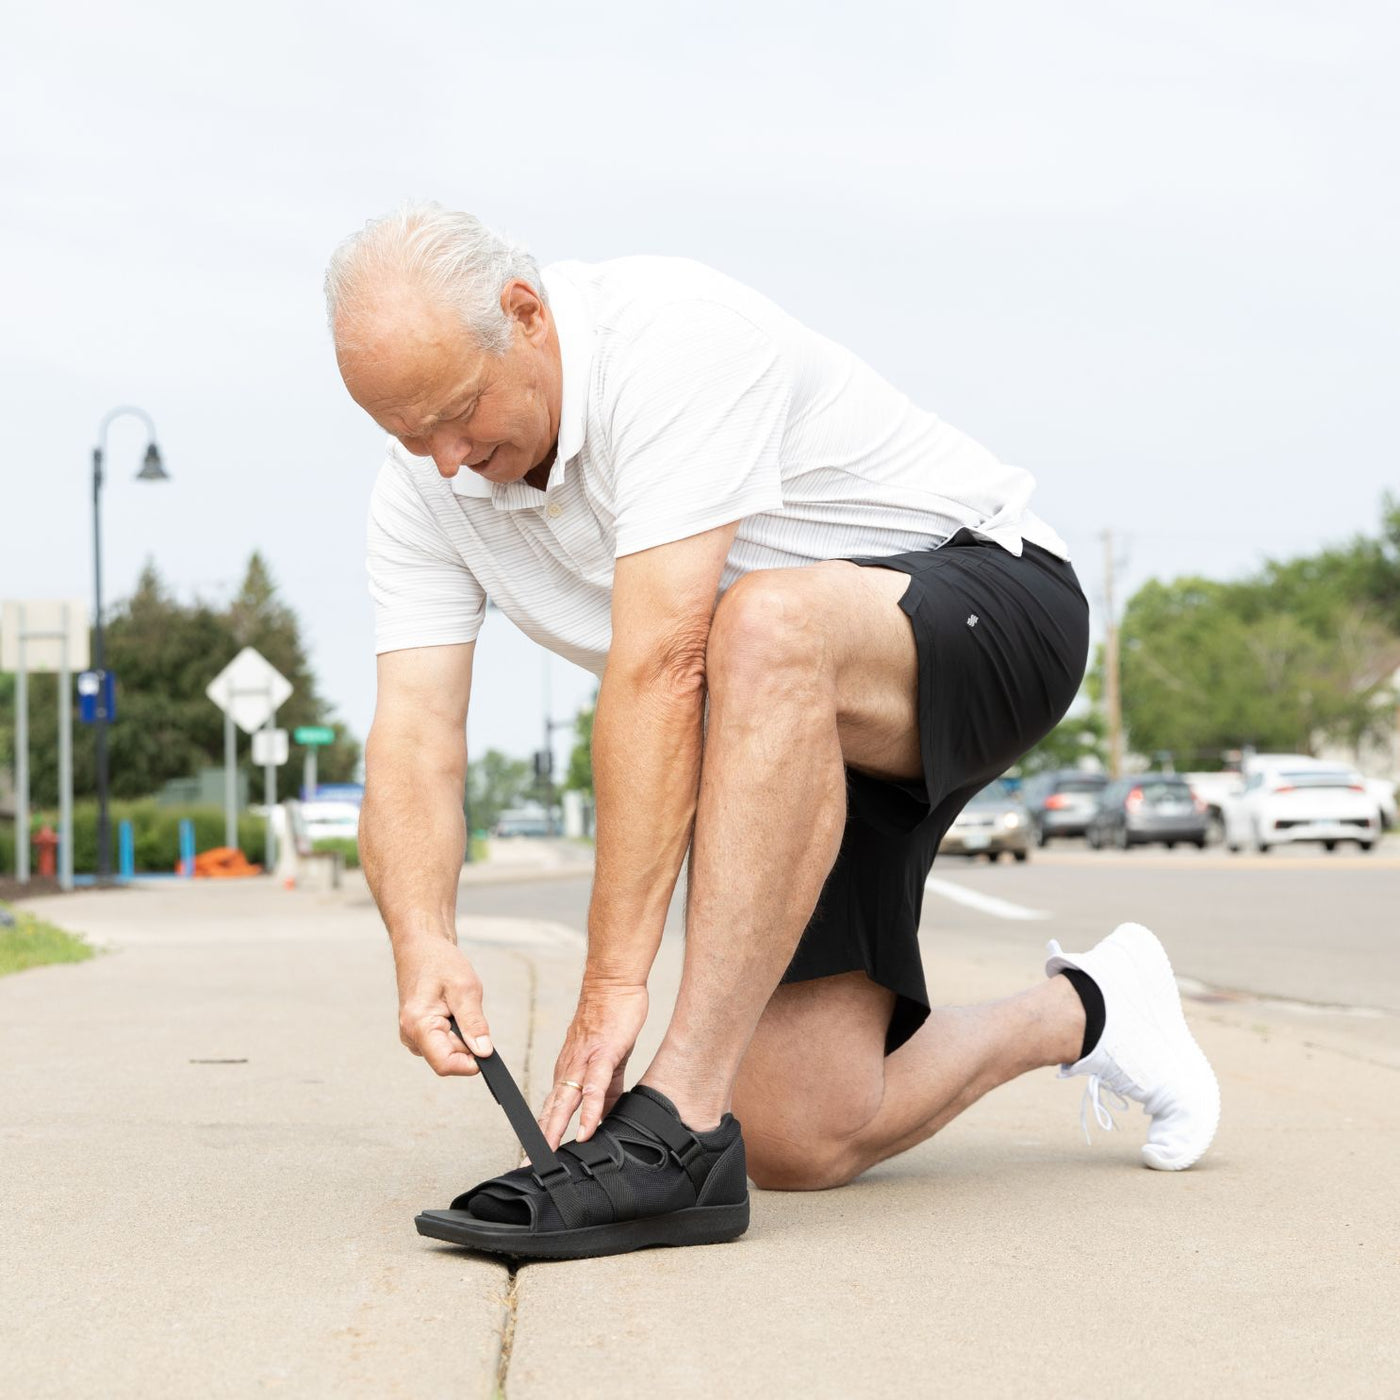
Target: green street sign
(314, 734)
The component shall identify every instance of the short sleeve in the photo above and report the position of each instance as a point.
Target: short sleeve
(424, 595)
(701, 405)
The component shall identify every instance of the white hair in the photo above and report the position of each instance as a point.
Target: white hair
(452, 257)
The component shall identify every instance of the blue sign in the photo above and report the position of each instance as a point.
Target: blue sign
(97, 696)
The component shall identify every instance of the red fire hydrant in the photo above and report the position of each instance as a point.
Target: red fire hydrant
(45, 843)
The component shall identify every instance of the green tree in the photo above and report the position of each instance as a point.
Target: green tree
(496, 782)
(1212, 666)
(257, 617)
(579, 777)
(164, 654)
(1074, 739)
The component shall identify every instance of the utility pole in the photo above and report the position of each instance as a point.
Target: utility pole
(1113, 704)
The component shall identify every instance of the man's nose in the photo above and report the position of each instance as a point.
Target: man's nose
(450, 450)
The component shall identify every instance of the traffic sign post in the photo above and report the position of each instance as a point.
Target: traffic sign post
(249, 690)
(270, 749)
(313, 736)
(45, 635)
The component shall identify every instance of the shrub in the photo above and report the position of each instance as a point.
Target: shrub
(348, 847)
(155, 833)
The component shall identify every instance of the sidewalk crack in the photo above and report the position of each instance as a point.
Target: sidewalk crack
(510, 1311)
(510, 1303)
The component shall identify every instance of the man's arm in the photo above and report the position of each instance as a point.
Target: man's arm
(647, 739)
(412, 840)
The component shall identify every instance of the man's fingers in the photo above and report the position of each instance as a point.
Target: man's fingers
(444, 1052)
(595, 1093)
(466, 1008)
(558, 1110)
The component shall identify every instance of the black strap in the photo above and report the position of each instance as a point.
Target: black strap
(684, 1146)
(543, 1159)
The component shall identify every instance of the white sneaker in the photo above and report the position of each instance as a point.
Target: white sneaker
(1146, 1053)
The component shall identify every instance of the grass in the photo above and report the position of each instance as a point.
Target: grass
(32, 942)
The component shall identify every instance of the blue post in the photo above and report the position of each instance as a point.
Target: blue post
(126, 851)
(187, 847)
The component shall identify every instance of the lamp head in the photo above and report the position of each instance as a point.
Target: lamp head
(152, 468)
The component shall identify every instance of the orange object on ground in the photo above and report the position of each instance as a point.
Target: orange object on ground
(223, 863)
(45, 843)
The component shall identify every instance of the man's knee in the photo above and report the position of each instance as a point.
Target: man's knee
(804, 1163)
(765, 633)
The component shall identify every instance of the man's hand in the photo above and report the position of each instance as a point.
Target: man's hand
(436, 980)
(605, 1027)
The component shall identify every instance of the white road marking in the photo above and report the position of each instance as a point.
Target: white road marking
(987, 903)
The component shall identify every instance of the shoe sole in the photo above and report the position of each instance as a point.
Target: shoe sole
(698, 1225)
(1162, 998)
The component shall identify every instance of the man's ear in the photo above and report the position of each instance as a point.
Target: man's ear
(522, 304)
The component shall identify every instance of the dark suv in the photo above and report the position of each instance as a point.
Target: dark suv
(1062, 802)
(1149, 807)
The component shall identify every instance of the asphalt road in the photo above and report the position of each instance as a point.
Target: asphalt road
(1305, 926)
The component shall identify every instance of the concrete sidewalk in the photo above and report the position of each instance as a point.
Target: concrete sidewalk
(214, 1147)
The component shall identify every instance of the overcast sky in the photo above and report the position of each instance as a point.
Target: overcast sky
(1147, 251)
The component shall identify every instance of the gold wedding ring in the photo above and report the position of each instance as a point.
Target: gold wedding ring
(573, 1084)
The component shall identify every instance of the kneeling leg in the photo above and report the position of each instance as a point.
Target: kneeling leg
(820, 1101)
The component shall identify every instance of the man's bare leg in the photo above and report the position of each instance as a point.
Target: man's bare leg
(809, 670)
(817, 1113)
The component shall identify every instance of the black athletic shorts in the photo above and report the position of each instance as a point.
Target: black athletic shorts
(1002, 642)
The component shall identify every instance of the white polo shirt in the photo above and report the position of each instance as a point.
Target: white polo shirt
(689, 401)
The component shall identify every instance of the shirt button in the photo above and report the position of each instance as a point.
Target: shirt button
(555, 510)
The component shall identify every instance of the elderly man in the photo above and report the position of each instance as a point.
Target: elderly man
(822, 618)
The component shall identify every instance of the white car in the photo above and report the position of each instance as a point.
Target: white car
(1294, 800)
(1216, 791)
(1383, 790)
(331, 820)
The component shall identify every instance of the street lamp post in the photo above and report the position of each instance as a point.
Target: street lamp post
(152, 469)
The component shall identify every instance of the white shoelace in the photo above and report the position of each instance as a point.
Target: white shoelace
(1093, 1099)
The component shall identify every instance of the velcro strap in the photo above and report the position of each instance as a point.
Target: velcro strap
(598, 1151)
(603, 1158)
(620, 1194)
(542, 1156)
(649, 1115)
(564, 1194)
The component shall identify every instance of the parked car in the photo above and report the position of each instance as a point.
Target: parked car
(1061, 802)
(1292, 799)
(331, 820)
(1149, 807)
(1383, 790)
(1215, 790)
(523, 822)
(994, 822)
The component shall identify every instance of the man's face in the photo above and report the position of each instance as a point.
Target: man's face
(420, 376)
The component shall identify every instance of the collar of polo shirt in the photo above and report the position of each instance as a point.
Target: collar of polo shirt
(574, 326)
